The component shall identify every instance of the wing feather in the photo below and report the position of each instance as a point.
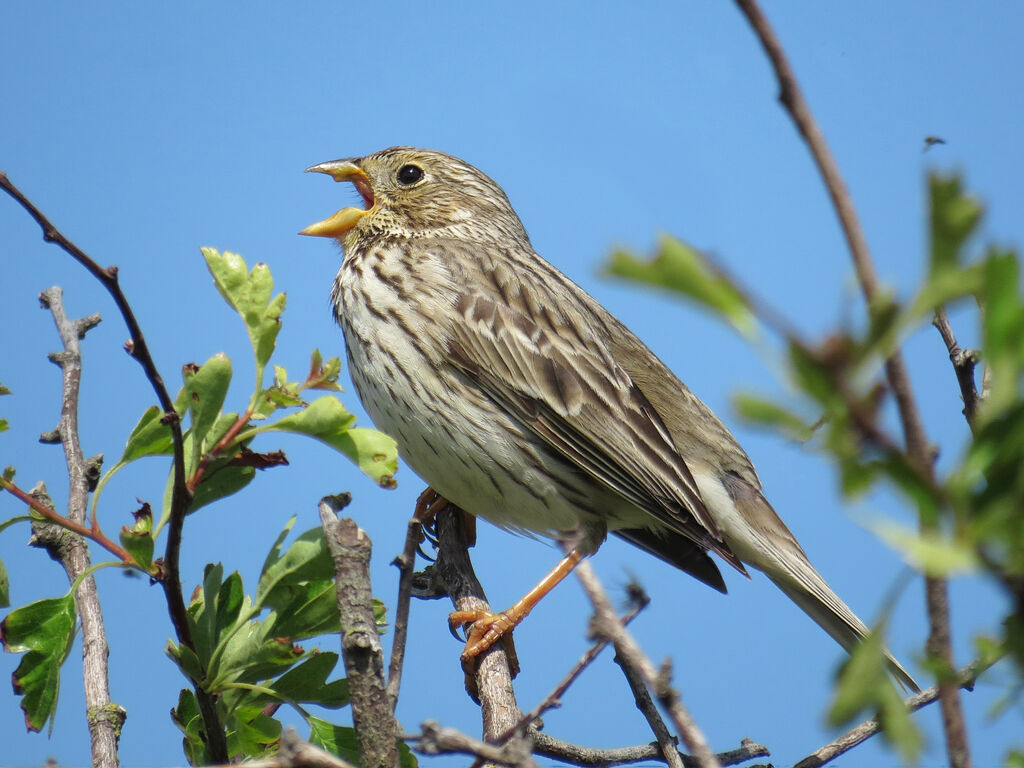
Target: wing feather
(562, 393)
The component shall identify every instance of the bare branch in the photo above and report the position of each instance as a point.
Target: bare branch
(548, 746)
(372, 714)
(406, 563)
(964, 362)
(554, 699)
(650, 712)
(104, 717)
(919, 451)
(608, 624)
(435, 740)
(965, 678)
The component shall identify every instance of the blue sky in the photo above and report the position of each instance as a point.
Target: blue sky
(147, 132)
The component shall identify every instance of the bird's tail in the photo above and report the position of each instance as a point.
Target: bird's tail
(760, 538)
(805, 587)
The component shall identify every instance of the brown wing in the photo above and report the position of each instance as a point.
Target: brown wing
(563, 392)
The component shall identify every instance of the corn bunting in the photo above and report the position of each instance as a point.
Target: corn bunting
(520, 399)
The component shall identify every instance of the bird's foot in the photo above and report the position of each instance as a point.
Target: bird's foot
(484, 630)
(429, 504)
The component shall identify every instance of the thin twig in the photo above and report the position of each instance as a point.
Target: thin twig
(965, 678)
(372, 714)
(592, 757)
(919, 451)
(554, 699)
(437, 740)
(406, 563)
(964, 362)
(608, 624)
(53, 516)
(645, 704)
(180, 495)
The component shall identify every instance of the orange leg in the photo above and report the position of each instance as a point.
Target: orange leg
(488, 628)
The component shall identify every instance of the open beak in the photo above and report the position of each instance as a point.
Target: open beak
(341, 222)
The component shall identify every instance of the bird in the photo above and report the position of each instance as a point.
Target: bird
(519, 398)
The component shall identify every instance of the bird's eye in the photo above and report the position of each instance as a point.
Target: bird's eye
(409, 174)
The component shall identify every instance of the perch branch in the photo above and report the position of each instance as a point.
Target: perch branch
(919, 451)
(492, 681)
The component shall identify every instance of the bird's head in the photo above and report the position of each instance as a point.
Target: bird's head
(416, 193)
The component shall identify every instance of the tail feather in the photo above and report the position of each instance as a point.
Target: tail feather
(810, 592)
(756, 534)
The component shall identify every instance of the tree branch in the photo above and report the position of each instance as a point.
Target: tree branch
(590, 757)
(104, 718)
(607, 623)
(964, 362)
(372, 713)
(554, 699)
(919, 451)
(181, 498)
(965, 679)
(406, 563)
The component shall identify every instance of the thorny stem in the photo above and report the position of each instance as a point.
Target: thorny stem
(917, 448)
(181, 497)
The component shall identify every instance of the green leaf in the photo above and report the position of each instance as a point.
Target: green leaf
(4, 426)
(205, 391)
(768, 414)
(4, 390)
(221, 479)
(864, 686)
(5, 586)
(150, 437)
(311, 609)
(327, 420)
(306, 683)
(138, 540)
(251, 734)
(43, 631)
(251, 654)
(250, 295)
(186, 716)
(186, 660)
(203, 613)
(323, 376)
(682, 269)
(339, 740)
(932, 551)
(305, 560)
(954, 216)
